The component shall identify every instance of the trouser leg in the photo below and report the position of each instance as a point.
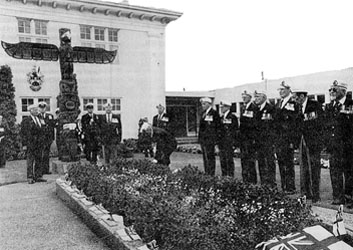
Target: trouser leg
(209, 159)
(286, 167)
(316, 175)
(30, 165)
(248, 164)
(46, 159)
(336, 174)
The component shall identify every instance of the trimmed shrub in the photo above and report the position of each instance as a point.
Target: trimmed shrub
(188, 209)
(9, 112)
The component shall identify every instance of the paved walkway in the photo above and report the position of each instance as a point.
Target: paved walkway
(32, 217)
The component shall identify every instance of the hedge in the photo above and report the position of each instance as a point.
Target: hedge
(188, 209)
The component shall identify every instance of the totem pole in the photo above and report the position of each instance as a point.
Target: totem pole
(68, 100)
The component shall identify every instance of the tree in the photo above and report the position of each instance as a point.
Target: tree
(8, 111)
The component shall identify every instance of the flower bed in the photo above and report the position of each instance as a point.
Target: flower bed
(187, 209)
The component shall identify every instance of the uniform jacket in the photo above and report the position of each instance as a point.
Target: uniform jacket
(48, 123)
(229, 127)
(265, 125)
(338, 126)
(31, 134)
(210, 128)
(163, 122)
(90, 126)
(111, 131)
(248, 121)
(312, 122)
(287, 122)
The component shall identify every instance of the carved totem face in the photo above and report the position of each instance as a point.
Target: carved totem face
(65, 36)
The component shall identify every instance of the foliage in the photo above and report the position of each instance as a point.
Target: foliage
(187, 209)
(9, 112)
(131, 143)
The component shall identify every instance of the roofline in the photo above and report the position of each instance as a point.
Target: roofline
(109, 8)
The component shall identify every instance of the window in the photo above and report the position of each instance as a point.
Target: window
(40, 27)
(112, 35)
(99, 34)
(85, 101)
(24, 26)
(24, 39)
(100, 104)
(115, 104)
(85, 32)
(25, 102)
(99, 45)
(41, 40)
(47, 100)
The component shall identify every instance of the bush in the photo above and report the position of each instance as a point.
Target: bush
(8, 111)
(131, 143)
(188, 209)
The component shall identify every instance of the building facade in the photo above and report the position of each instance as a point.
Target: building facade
(134, 83)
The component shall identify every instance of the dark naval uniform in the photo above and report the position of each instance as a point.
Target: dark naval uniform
(48, 124)
(247, 142)
(3, 131)
(310, 149)
(209, 137)
(265, 140)
(111, 135)
(229, 127)
(31, 134)
(91, 135)
(287, 128)
(163, 122)
(339, 122)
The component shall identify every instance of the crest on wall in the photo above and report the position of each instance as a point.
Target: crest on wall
(35, 79)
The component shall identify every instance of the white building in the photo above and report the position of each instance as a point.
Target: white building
(134, 83)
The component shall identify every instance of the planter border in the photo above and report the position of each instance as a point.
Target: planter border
(109, 228)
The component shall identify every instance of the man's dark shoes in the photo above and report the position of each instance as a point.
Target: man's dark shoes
(30, 181)
(41, 180)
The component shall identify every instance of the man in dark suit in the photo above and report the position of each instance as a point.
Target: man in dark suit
(91, 133)
(209, 134)
(48, 124)
(265, 139)
(31, 135)
(111, 133)
(247, 135)
(339, 122)
(288, 136)
(161, 120)
(229, 127)
(311, 144)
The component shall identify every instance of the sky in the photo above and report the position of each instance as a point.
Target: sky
(225, 43)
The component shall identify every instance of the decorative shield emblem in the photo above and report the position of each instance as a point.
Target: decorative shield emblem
(35, 79)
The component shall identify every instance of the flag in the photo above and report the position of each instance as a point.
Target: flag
(310, 238)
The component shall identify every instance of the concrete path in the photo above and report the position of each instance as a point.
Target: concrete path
(32, 218)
